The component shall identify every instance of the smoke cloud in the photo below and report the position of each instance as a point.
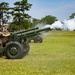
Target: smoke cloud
(65, 25)
(70, 24)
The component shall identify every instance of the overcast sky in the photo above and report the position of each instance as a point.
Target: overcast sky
(62, 9)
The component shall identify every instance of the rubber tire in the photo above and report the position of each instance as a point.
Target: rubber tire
(38, 39)
(16, 45)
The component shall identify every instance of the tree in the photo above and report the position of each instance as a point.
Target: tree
(3, 12)
(19, 16)
(48, 19)
(35, 22)
(14, 26)
(72, 16)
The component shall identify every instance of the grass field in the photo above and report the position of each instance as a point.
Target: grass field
(55, 56)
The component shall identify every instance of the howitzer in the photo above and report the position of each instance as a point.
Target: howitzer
(16, 45)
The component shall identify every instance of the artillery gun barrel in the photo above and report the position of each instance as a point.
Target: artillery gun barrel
(24, 35)
(43, 29)
(30, 29)
(33, 33)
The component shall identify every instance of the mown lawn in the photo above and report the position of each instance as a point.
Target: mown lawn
(55, 56)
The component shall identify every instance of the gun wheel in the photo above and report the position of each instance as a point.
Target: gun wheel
(13, 50)
(38, 39)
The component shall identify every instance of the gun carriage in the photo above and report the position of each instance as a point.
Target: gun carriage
(16, 45)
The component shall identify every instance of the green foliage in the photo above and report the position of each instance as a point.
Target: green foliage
(72, 15)
(20, 18)
(20, 8)
(35, 22)
(15, 26)
(45, 20)
(4, 12)
(48, 19)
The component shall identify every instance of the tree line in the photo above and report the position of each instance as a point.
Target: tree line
(20, 19)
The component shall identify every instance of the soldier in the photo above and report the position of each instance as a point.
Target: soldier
(3, 37)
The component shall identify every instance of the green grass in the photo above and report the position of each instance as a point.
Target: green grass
(55, 56)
